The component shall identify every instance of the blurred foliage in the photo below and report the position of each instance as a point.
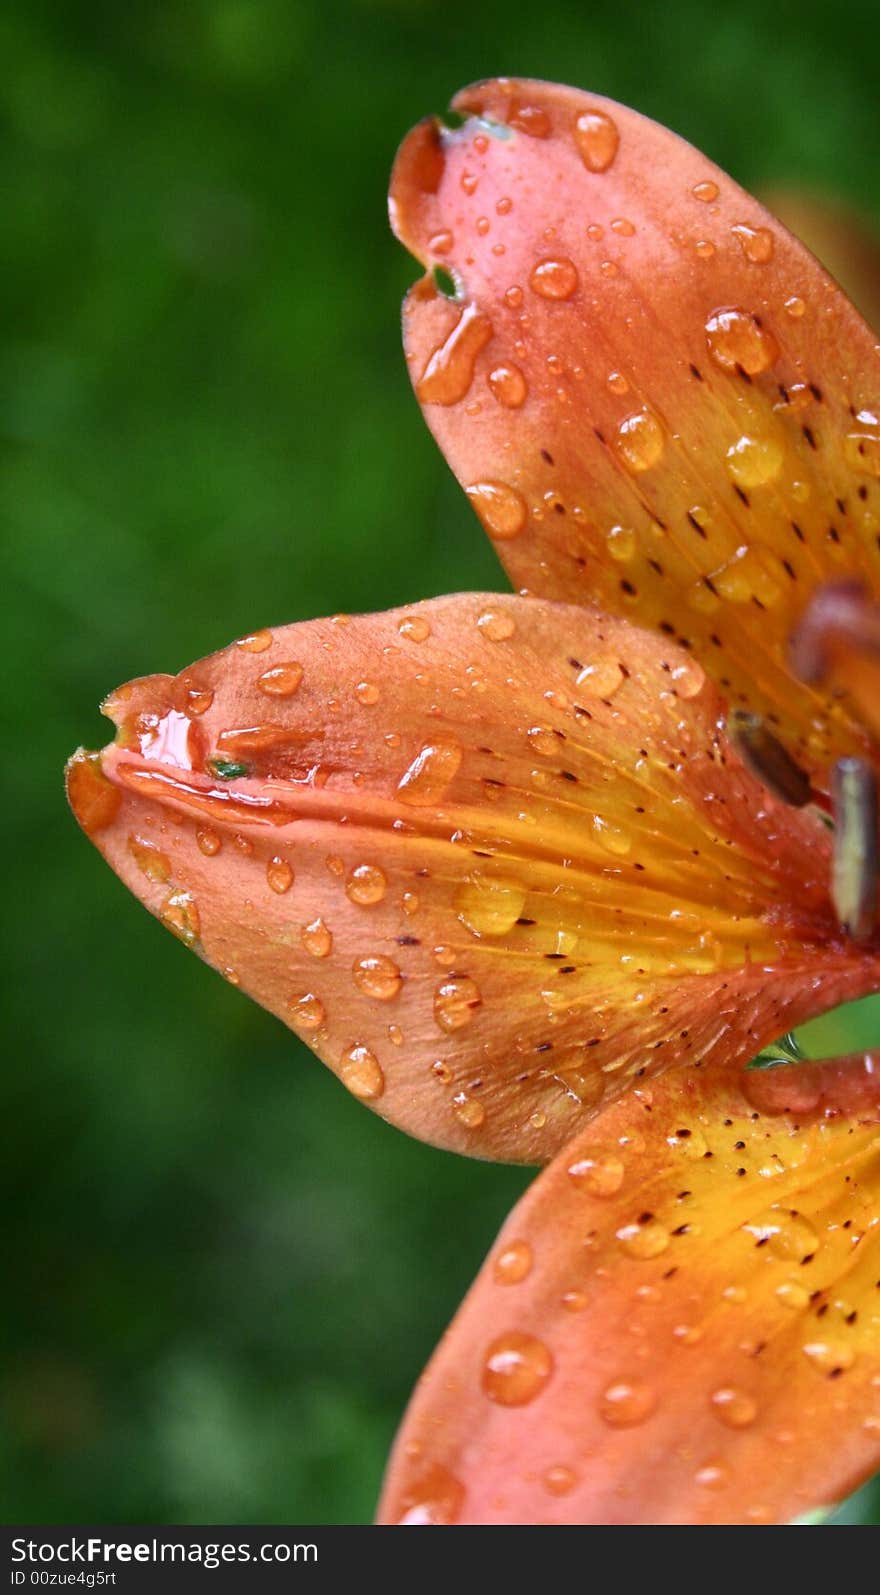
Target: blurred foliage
(227, 1275)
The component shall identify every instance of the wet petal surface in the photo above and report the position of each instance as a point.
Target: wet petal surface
(491, 857)
(696, 1337)
(653, 395)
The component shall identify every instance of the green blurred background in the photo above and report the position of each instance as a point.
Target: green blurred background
(224, 1274)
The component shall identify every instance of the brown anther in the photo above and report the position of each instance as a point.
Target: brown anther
(768, 759)
(854, 857)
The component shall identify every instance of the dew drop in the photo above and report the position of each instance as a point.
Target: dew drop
(600, 1175)
(502, 510)
(756, 243)
(208, 841)
(306, 1012)
(792, 1294)
(643, 1240)
(180, 914)
(736, 339)
(431, 771)
(622, 543)
(489, 907)
(360, 1071)
(754, 461)
(543, 741)
(516, 1369)
(597, 140)
(377, 976)
(706, 192)
(613, 838)
(532, 120)
(640, 441)
(150, 859)
(513, 1263)
(367, 693)
(256, 642)
(736, 1408)
(366, 885)
(554, 279)
(617, 383)
(282, 681)
(435, 1499)
(198, 700)
(450, 369)
(862, 444)
(712, 1475)
(560, 1480)
(455, 1002)
(317, 939)
(496, 625)
(415, 628)
(468, 1111)
(508, 386)
(795, 307)
(600, 680)
(279, 875)
(625, 1403)
(828, 1355)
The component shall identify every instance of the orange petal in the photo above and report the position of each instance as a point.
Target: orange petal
(844, 240)
(670, 409)
(679, 1323)
(490, 857)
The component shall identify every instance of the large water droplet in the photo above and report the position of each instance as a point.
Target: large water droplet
(415, 628)
(317, 939)
(282, 681)
(597, 139)
(468, 1111)
(754, 461)
(516, 1369)
(450, 369)
(150, 859)
(496, 625)
(554, 279)
(489, 907)
(279, 875)
(434, 1499)
(431, 771)
(256, 642)
(513, 1263)
(180, 914)
(508, 385)
(360, 1071)
(377, 976)
(625, 1403)
(502, 510)
(639, 441)
(756, 243)
(306, 1012)
(366, 885)
(455, 1002)
(601, 1174)
(643, 1239)
(736, 1408)
(736, 338)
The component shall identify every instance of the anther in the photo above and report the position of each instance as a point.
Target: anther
(766, 757)
(854, 856)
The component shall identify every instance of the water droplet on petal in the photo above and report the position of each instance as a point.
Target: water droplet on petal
(554, 279)
(489, 907)
(754, 461)
(450, 369)
(455, 1002)
(513, 1263)
(306, 1012)
(367, 692)
(829, 1355)
(707, 192)
(317, 939)
(468, 1111)
(516, 1369)
(366, 885)
(508, 385)
(496, 625)
(256, 642)
(712, 1475)
(795, 307)
(600, 1174)
(415, 628)
(560, 1480)
(625, 1403)
(597, 139)
(792, 1294)
(431, 771)
(360, 1071)
(622, 543)
(377, 976)
(434, 1499)
(736, 1408)
(643, 1240)
(282, 681)
(209, 842)
(737, 339)
(862, 444)
(640, 441)
(756, 243)
(600, 680)
(502, 510)
(150, 859)
(279, 875)
(180, 914)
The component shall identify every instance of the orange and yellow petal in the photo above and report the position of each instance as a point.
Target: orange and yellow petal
(679, 1323)
(491, 857)
(654, 396)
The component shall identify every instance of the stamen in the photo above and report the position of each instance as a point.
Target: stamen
(768, 759)
(854, 856)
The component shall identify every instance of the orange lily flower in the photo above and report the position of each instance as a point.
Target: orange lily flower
(537, 883)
